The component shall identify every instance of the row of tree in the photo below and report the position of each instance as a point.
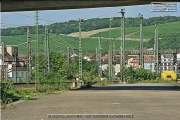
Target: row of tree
(90, 24)
(60, 70)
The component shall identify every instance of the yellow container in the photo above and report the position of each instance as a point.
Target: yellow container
(169, 75)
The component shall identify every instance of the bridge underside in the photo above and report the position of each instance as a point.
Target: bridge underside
(27, 5)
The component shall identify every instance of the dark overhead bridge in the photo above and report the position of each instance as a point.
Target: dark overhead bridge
(28, 5)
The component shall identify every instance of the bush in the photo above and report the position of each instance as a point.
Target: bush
(10, 94)
(103, 82)
(7, 90)
(52, 85)
(135, 75)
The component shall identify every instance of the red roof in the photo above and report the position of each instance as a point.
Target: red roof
(22, 55)
(92, 56)
(105, 56)
(146, 59)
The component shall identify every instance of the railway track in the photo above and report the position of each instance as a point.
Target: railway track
(31, 85)
(24, 85)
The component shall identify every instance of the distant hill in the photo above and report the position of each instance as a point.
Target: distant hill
(164, 29)
(168, 30)
(87, 25)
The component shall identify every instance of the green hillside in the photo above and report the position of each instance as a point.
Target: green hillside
(60, 43)
(148, 33)
(71, 26)
(116, 32)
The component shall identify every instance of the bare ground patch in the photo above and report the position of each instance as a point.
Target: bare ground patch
(88, 33)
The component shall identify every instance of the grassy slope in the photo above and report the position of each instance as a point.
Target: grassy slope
(64, 41)
(163, 30)
(116, 32)
(91, 44)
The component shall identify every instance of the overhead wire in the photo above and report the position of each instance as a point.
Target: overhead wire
(34, 17)
(14, 25)
(55, 21)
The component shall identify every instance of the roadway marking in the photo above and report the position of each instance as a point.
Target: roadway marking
(116, 103)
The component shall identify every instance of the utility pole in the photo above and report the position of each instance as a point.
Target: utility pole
(2, 67)
(45, 53)
(156, 48)
(68, 62)
(15, 56)
(121, 59)
(48, 50)
(36, 55)
(80, 52)
(47, 66)
(110, 55)
(113, 53)
(151, 63)
(141, 42)
(28, 54)
(73, 62)
(0, 34)
(122, 62)
(86, 52)
(99, 57)
(96, 54)
(110, 61)
(113, 68)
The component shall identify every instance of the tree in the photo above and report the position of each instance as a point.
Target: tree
(91, 24)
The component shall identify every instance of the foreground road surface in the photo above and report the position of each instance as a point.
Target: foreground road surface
(143, 101)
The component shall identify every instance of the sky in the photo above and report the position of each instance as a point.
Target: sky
(27, 18)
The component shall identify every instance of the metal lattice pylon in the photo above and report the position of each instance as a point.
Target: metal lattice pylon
(122, 61)
(99, 57)
(28, 53)
(46, 51)
(2, 58)
(80, 52)
(141, 43)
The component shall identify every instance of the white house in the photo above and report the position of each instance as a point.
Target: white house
(148, 62)
(16, 74)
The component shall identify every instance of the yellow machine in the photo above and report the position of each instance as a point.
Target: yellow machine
(169, 75)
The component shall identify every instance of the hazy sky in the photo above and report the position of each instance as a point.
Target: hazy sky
(13, 19)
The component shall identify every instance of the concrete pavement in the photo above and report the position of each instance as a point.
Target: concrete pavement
(141, 100)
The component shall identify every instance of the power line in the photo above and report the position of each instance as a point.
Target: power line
(101, 16)
(67, 44)
(56, 21)
(34, 17)
(15, 25)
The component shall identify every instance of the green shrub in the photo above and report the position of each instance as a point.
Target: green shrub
(10, 94)
(136, 75)
(103, 82)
